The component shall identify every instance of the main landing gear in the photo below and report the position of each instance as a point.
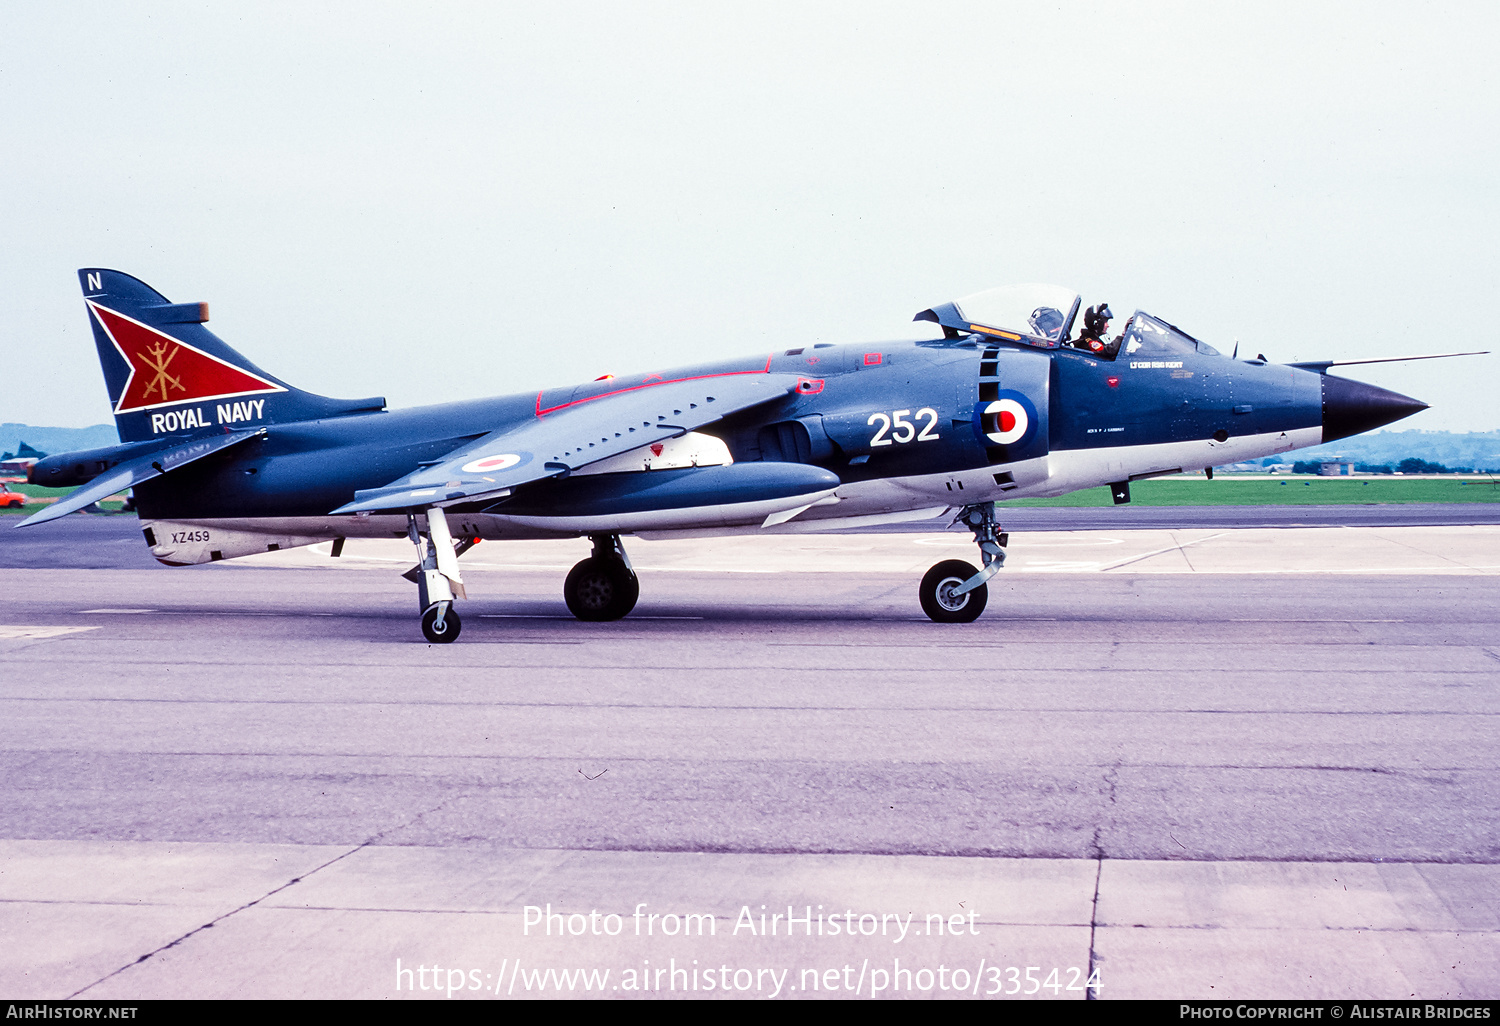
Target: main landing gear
(603, 586)
(953, 591)
(436, 576)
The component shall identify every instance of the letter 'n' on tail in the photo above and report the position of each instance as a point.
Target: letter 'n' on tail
(168, 375)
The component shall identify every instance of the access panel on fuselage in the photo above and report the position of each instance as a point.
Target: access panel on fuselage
(1011, 412)
(1152, 392)
(907, 410)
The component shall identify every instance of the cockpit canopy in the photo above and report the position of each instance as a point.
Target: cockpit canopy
(1041, 315)
(1151, 337)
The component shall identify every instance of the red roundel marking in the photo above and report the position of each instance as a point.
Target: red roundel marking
(1010, 421)
(490, 464)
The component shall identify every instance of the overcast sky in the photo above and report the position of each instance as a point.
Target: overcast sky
(441, 201)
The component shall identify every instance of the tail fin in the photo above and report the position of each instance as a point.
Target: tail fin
(168, 375)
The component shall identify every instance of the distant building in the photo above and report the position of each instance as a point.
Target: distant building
(12, 463)
(1335, 468)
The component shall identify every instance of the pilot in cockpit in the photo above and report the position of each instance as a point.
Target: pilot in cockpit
(1094, 336)
(1046, 322)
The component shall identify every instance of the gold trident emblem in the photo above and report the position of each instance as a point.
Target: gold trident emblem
(162, 379)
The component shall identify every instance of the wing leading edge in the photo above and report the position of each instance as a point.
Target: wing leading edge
(560, 442)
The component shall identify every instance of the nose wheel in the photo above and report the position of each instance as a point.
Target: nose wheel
(941, 599)
(953, 591)
(603, 586)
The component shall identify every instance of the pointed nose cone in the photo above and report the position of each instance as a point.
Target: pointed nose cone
(1351, 407)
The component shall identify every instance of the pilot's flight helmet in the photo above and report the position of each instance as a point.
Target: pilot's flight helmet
(1096, 318)
(1046, 321)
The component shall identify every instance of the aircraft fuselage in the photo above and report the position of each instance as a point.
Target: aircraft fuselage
(898, 423)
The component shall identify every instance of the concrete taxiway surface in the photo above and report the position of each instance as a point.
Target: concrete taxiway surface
(114, 541)
(1178, 758)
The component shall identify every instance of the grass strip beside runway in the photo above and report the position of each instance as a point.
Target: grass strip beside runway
(1297, 490)
(1195, 490)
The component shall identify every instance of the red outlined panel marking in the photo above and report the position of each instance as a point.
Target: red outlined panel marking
(649, 384)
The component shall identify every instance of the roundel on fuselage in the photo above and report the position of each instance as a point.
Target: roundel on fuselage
(1008, 420)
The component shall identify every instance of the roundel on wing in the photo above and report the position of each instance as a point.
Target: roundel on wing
(1008, 420)
(494, 464)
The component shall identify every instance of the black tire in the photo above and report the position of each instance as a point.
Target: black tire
(632, 591)
(451, 625)
(944, 577)
(598, 590)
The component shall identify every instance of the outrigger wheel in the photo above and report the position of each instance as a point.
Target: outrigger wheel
(603, 586)
(440, 623)
(436, 575)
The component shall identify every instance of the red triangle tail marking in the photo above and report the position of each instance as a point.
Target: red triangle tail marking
(165, 371)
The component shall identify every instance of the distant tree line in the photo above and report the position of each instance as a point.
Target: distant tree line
(1410, 465)
(1477, 449)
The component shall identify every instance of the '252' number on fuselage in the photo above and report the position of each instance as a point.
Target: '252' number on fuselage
(903, 430)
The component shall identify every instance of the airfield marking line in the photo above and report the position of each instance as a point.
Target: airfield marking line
(1420, 771)
(569, 616)
(16, 631)
(843, 668)
(1451, 569)
(726, 707)
(1158, 552)
(80, 901)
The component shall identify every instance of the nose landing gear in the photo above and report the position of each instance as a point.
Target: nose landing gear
(603, 586)
(953, 591)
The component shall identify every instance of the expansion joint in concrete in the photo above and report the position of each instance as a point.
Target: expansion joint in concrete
(372, 839)
(1090, 993)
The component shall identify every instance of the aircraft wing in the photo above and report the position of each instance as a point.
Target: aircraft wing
(142, 468)
(561, 441)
